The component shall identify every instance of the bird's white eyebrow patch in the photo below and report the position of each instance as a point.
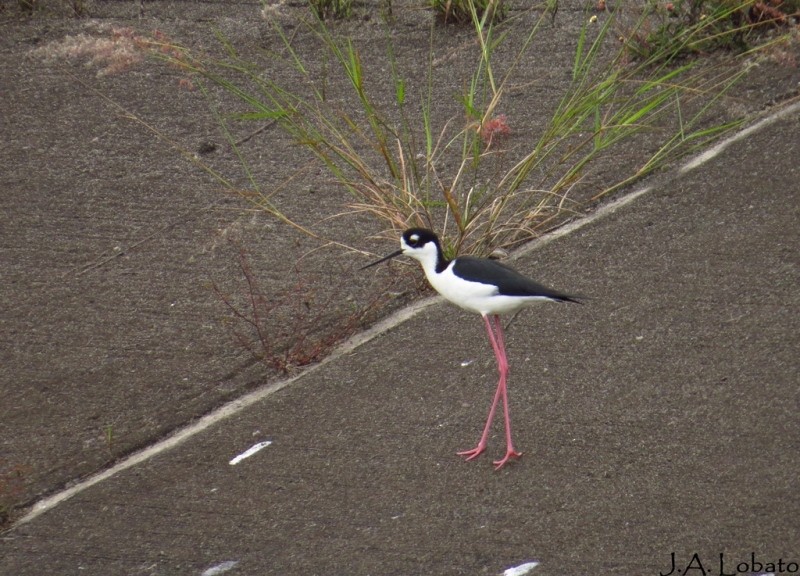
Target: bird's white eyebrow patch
(413, 237)
(249, 452)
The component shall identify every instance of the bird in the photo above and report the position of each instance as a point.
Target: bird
(486, 287)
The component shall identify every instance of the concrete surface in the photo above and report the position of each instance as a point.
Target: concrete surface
(659, 421)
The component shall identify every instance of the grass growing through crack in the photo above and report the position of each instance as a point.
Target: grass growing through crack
(401, 170)
(460, 175)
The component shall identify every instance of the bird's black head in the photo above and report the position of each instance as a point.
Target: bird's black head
(416, 242)
(418, 237)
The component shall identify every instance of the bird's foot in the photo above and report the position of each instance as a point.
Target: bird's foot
(474, 453)
(510, 453)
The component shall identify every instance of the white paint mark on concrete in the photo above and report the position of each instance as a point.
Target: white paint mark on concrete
(570, 227)
(220, 568)
(521, 570)
(249, 452)
(716, 150)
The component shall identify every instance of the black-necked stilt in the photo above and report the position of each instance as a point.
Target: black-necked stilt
(488, 288)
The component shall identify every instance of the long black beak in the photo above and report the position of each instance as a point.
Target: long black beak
(384, 259)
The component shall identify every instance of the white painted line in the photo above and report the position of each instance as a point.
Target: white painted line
(249, 452)
(521, 570)
(569, 228)
(396, 319)
(614, 205)
(220, 568)
(717, 149)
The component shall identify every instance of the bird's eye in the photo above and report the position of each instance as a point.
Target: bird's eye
(414, 238)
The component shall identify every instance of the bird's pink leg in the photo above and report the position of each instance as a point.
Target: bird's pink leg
(478, 450)
(502, 362)
(496, 339)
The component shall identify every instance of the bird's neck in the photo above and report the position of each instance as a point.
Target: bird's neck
(435, 261)
(441, 262)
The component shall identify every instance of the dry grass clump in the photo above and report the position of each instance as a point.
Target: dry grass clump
(111, 51)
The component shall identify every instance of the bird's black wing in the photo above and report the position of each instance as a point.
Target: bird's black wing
(509, 282)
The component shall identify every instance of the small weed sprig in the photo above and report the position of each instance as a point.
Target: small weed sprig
(463, 11)
(12, 488)
(671, 29)
(332, 8)
(492, 128)
(291, 327)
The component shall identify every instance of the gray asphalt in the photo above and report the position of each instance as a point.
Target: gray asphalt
(659, 421)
